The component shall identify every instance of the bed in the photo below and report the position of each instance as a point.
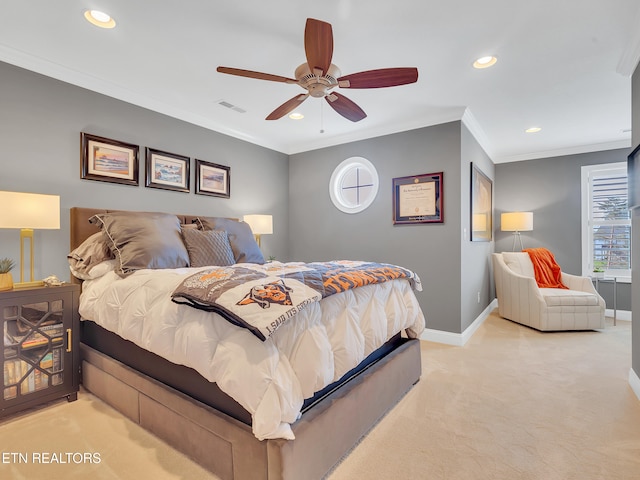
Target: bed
(208, 419)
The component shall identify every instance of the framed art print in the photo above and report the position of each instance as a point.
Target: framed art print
(213, 179)
(481, 206)
(167, 171)
(107, 160)
(418, 199)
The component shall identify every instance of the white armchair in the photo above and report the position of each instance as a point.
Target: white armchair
(521, 300)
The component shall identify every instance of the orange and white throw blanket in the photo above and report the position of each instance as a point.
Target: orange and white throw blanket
(262, 297)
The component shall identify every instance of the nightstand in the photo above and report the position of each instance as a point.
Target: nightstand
(40, 355)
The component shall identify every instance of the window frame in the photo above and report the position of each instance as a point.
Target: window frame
(587, 173)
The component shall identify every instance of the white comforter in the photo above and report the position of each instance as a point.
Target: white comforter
(269, 379)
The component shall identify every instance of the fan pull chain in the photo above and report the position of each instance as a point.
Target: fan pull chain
(321, 117)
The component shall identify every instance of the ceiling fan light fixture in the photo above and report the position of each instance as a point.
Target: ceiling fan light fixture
(485, 62)
(99, 19)
(296, 116)
(533, 129)
(318, 76)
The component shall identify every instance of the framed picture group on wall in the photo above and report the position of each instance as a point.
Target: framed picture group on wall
(113, 161)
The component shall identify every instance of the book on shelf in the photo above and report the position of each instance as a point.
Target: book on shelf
(37, 337)
(30, 378)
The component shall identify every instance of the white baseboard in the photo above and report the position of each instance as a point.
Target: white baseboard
(634, 382)
(624, 315)
(459, 339)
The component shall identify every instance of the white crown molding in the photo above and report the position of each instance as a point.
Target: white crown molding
(596, 147)
(387, 129)
(104, 87)
(99, 85)
(470, 121)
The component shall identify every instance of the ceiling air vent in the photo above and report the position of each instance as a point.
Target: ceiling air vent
(231, 106)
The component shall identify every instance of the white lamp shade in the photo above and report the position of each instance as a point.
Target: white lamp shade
(29, 210)
(516, 222)
(260, 224)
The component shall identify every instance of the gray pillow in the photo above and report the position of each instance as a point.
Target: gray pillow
(208, 247)
(143, 240)
(88, 254)
(244, 246)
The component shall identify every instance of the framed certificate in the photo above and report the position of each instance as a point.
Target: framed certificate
(418, 199)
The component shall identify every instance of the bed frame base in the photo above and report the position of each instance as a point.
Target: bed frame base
(227, 447)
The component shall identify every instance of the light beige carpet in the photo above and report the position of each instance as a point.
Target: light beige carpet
(512, 404)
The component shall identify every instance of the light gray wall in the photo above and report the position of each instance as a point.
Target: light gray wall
(40, 124)
(476, 291)
(551, 189)
(433, 251)
(635, 254)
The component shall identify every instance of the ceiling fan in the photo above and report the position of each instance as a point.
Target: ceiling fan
(319, 76)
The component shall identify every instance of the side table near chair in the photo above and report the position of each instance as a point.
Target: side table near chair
(614, 281)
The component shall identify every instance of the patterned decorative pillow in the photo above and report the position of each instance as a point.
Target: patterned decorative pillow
(208, 247)
(244, 246)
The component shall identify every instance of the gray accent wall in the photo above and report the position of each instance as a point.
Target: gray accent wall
(551, 189)
(452, 270)
(40, 124)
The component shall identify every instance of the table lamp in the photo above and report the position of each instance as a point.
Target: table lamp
(28, 211)
(260, 225)
(516, 222)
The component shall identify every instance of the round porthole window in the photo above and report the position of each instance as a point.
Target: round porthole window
(353, 185)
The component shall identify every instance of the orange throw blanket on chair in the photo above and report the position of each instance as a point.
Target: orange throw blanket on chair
(547, 272)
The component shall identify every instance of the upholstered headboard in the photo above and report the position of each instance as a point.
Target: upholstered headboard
(81, 229)
(159, 250)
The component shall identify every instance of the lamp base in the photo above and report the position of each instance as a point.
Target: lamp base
(516, 235)
(34, 284)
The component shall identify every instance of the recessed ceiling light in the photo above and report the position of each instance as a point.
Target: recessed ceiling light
(99, 19)
(296, 116)
(533, 129)
(485, 62)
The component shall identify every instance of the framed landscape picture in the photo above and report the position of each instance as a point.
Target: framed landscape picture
(167, 171)
(107, 160)
(213, 179)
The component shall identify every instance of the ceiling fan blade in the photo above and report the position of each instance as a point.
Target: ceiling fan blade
(318, 45)
(259, 75)
(383, 77)
(287, 106)
(345, 107)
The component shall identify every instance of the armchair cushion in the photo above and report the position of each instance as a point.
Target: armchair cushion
(519, 263)
(554, 296)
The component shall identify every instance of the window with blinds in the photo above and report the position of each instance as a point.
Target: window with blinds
(607, 226)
